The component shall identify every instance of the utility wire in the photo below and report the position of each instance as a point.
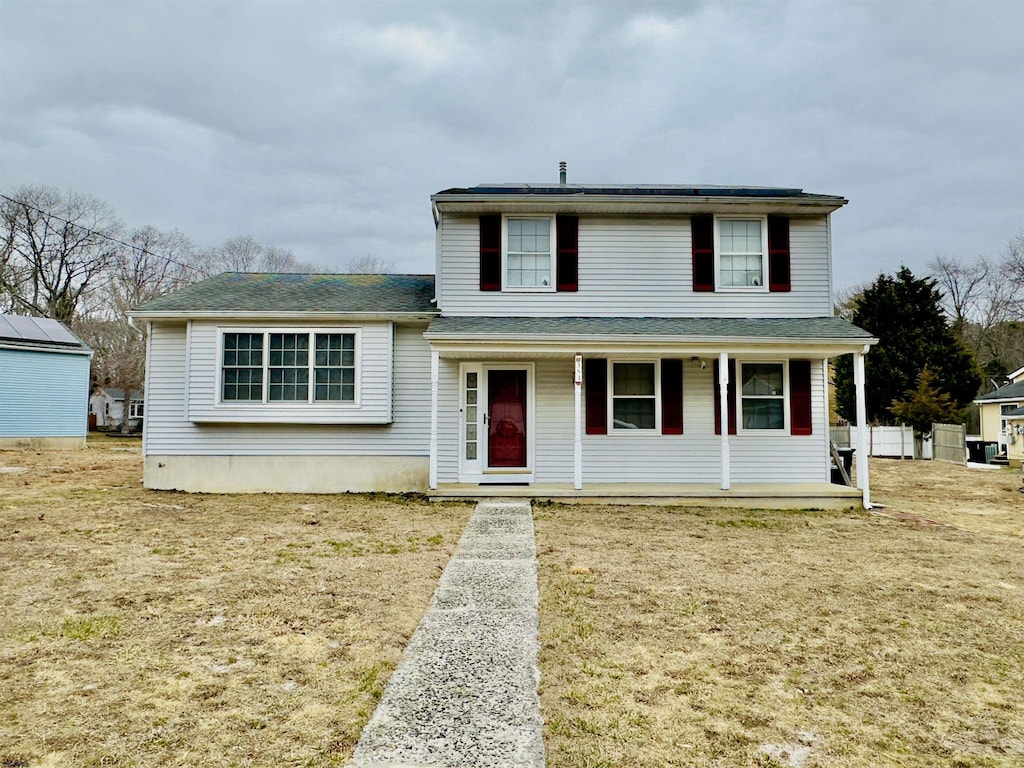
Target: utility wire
(103, 235)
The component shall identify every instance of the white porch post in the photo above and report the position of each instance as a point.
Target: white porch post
(577, 457)
(827, 421)
(723, 401)
(862, 428)
(435, 365)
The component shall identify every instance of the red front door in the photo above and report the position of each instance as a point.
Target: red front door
(506, 418)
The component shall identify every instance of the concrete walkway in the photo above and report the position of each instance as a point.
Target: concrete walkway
(465, 693)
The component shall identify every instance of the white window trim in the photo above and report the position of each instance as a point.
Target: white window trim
(220, 402)
(763, 288)
(133, 409)
(612, 429)
(552, 250)
(785, 428)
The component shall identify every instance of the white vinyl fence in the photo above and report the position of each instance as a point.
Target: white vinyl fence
(948, 442)
(895, 442)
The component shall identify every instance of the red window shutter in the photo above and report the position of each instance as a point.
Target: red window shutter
(490, 252)
(702, 236)
(567, 253)
(730, 395)
(671, 397)
(595, 378)
(778, 253)
(800, 397)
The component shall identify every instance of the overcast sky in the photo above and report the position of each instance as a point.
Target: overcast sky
(324, 127)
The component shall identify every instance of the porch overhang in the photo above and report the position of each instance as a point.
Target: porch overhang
(470, 337)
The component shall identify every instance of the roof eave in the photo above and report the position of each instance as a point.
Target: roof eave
(425, 317)
(33, 347)
(623, 338)
(654, 204)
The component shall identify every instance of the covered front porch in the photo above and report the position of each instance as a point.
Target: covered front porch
(639, 410)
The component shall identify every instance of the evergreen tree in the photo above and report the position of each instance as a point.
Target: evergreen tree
(925, 405)
(905, 315)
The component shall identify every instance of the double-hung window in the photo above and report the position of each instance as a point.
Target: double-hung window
(634, 396)
(278, 367)
(529, 253)
(741, 248)
(763, 395)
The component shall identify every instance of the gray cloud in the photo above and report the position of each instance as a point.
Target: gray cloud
(324, 127)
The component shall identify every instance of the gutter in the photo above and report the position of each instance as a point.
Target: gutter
(409, 317)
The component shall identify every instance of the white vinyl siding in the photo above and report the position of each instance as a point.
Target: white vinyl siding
(693, 457)
(170, 432)
(635, 267)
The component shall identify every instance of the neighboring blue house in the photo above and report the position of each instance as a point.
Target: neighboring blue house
(44, 384)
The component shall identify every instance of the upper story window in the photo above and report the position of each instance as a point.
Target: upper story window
(277, 367)
(742, 253)
(529, 258)
(529, 254)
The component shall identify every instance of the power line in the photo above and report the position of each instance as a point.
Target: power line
(103, 235)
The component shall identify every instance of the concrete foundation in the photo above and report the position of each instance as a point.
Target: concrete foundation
(287, 474)
(42, 443)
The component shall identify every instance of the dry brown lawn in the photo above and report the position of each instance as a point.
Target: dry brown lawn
(143, 628)
(708, 637)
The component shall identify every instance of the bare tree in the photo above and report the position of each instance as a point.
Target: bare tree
(152, 264)
(55, 247)
(245, 254)
(965, 287)
(369, 265)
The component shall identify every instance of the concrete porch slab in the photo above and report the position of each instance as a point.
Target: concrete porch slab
(754, 495)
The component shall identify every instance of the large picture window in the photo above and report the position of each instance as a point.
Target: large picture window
(277, 367)
(634, 396)
(741, 253)
(763, 396)
(529, 256)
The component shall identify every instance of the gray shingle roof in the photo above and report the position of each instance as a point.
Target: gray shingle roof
(248, 292)
(697, 328)
(1009, 392)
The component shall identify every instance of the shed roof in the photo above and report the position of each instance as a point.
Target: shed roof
(245, 293)
(22, 330)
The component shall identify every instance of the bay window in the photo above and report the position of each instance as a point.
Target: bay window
(277, 367)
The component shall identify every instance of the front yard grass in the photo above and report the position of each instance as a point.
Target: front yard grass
(710, 637)
(142, 628)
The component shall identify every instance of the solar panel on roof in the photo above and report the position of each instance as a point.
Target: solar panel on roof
(41, 330)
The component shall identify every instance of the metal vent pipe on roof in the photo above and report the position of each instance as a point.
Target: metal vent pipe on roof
(561, 173)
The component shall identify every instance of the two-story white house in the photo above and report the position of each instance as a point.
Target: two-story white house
(617, 342)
